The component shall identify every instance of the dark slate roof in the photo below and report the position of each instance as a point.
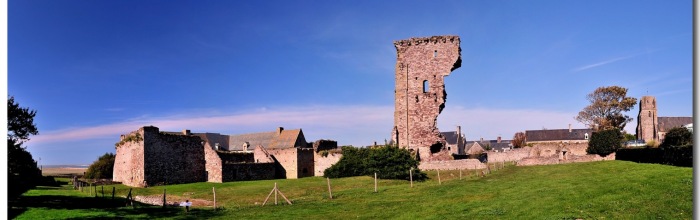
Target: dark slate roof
(450, 137)
(557, 134)
(254, 139)
(213, 138)
(666, 123)
(505, 144)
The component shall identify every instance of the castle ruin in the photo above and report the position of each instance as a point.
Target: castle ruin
(421, 65)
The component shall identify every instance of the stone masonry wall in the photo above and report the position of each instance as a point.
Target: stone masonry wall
(293, 163)
(128, 163)
(421, 65)
(322, 163)
(172, 159)
(546, 149)
(213, 165)
(452, 165)
(248, 171)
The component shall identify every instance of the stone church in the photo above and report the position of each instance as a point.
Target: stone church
(652, 127)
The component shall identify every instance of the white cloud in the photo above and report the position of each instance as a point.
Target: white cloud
(349, 125)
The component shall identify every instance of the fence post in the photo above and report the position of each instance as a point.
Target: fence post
(460, 174)
(102, 188)
(439, 180)
(164, 198)
(275, 193)
(214, 190)
(330, 193)
(113, 192)
(375, 182)
(411, 176)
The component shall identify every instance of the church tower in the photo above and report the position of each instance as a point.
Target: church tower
(647, 121)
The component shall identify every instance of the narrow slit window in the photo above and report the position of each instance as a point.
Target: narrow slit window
(425, 86)
(435, 54)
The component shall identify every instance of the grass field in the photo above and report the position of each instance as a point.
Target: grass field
(596, 190)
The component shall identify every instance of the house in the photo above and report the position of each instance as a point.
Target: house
(148, 156)
(455, 141)
(668, 123)
(558, 135)
(481, 146)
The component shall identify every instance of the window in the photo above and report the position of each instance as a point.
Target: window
(435, 54)
(585, 136)
(649, 114)
(425, 86)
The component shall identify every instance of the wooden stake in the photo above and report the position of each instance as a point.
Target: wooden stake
(460, 174)
(285, 198)
(276, 193)
(375, 182)
(411, 176)
(129, 198)
(113, 189)
(439, 180)
(164, 198)
(268, 195)
(330, 194)
(103, 190)
(214, 191)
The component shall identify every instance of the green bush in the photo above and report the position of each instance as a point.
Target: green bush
(388, 162)
(605, 142)
(102, 168)
(677, 137)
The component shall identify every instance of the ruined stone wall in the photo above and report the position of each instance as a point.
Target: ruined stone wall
(544, 149)
(322, 162)
(128, 161)
(213, 165)
(293, 163)
(421, 65)
(248, 171)
(511, 155)
(320, 145)
(451, 165)
(172, 159)
(555, 159)
(647, 120)
(305, 162)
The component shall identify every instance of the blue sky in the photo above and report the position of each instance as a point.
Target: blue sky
(96, 69)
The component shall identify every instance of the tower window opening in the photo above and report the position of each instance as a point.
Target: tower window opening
(649, 114)
(425, 86)
(435, 54)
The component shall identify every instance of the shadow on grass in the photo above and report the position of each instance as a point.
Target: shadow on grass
(117, 206)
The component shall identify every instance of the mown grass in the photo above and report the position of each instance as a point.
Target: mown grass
(609, 189)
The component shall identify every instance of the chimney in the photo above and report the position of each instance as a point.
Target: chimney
(279, 130)
(482, 139)
(186, 132)
(498, 140)
(569, 128)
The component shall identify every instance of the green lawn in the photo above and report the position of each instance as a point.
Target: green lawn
(596, 190)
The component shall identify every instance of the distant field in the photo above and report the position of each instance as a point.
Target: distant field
(595, 190)
(62, 171)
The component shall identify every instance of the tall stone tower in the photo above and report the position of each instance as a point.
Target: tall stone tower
(647, 121)
(421, 65)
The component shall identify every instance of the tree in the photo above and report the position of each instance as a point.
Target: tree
(102, 168)
(605, 110)
(630, 137)
(23, 173)
(518, 140)
(677, 137)
(389, 162)
(605, 142)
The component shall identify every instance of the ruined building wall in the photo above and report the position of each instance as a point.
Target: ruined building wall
(293, 163)
(421, 65)
(647, 120)
(172, 159)
(128, 161)
(213, 165)
(321, 162)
